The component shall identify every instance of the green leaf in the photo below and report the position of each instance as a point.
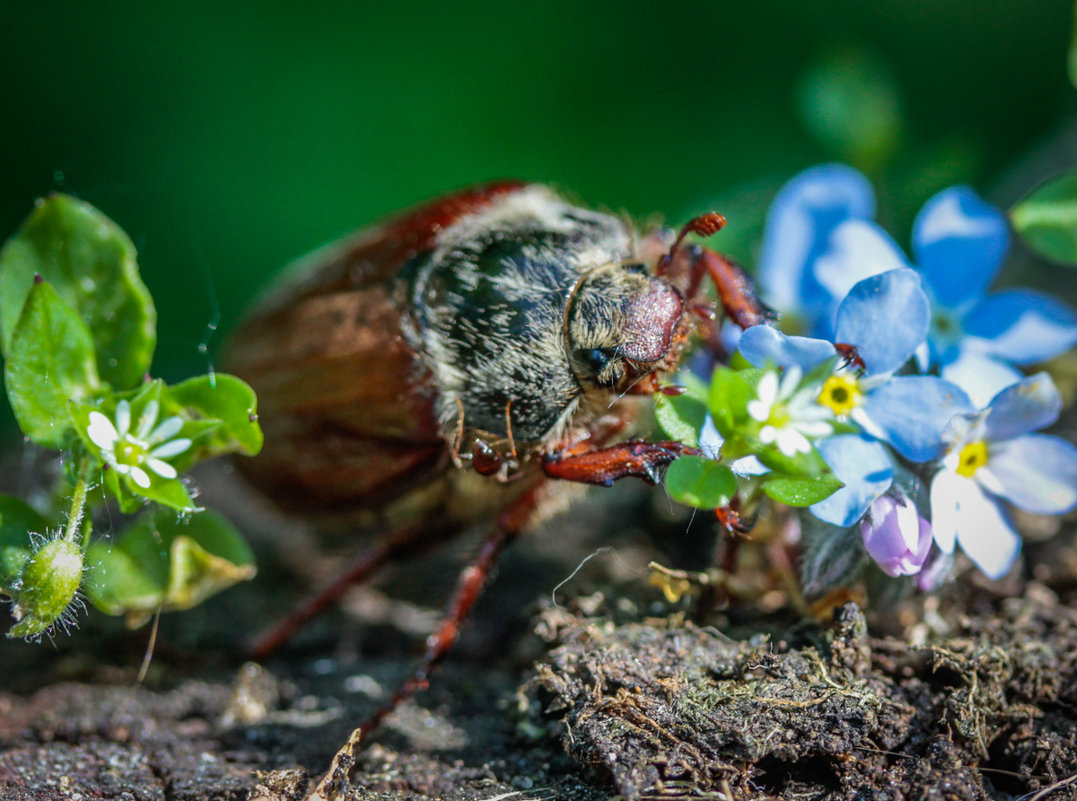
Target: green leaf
(793, 491)
(222, 398)
(91, 263)
(1047, 219)
(50, 361)
(168, 562)
(799, 465)
(730, 393)
(699, 482)
(17, 521)
(681, 416)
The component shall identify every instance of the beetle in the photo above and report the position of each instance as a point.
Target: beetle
(472, 358)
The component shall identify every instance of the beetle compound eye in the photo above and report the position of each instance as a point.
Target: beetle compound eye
(596, 360)
(603, 365)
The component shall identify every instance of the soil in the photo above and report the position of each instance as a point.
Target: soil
(575, 679)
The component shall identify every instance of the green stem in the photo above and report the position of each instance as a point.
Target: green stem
(78, 503)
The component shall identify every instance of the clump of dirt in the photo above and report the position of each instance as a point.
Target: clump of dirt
(614, 691)
(664, 708)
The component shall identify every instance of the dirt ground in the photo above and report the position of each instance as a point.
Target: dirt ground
(569, 683)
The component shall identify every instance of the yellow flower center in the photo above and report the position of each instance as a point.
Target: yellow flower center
(973, 456)
(840, 393)
(129, 453)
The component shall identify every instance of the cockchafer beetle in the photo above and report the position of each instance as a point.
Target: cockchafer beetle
(468, 359)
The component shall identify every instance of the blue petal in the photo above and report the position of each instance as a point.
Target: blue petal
(961, 510)
(911, 413)
(886, 317)
(799, 222)
(762, 344)
(1036, 472)
(864, 466)
(1028, 405)
(981, 377)
(858, 249)
(1023, 326)
(959, 242)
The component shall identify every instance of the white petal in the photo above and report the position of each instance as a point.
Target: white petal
(790, 381)
(791, 442)
(813, 428)
(988, 537)
(168, 429)
(148, 419)
(758, 410)
(138, 475)
(172, 448)
(163, 469)
(768, 434)
(123, 418)
(101, 431)
(947, 491)
(961, 511)
(767, 388)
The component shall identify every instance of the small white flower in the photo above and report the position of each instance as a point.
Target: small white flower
(128, 452)
(791, 415)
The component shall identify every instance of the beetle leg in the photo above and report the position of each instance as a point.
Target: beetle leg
(509, 524)
(403, 543)
(603, 466)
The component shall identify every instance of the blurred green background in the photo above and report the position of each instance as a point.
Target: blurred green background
(229, 138)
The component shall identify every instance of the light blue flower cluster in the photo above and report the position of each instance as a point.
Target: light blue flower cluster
(930, 388)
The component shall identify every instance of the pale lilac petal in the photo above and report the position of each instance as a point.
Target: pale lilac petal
(981, 377)
(912, 412)
(886, 317)
(1029, 405)
(858, 250)
(896, 537)
(864, 467)
(799, 223)
(1034, 472)
(171, 448)
(101, 431)
(168, 429)
(959, 242)
(163, 469)
(123, 418)
(139, 476)
(762, 344)
(1022, 326)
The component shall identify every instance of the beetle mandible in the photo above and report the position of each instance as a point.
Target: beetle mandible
(470, 358)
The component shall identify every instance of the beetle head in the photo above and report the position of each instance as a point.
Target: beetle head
(622, 323)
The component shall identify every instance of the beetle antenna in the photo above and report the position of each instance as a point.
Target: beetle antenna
(704, 225)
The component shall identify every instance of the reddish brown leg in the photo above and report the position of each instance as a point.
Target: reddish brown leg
(403, 543)
(603, 466)
(508, 525)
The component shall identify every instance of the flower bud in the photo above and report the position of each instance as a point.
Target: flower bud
(47, 586)
(896, 536)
